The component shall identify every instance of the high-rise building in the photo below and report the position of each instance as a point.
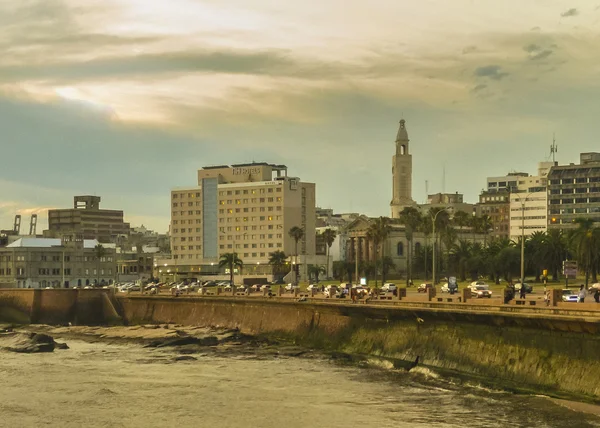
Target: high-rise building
(402, 173)
(574, 192)
(248, 209)
(529, 203)
(87, 219)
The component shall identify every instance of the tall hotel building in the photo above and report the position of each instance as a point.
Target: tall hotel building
(246, 208)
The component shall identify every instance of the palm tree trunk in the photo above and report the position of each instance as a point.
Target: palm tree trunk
(327, 270)
(296, 269)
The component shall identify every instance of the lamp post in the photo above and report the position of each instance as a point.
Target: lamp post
(434, 218)
(522, 202)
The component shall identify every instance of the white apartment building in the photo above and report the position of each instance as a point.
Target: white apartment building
(248, 209)
(529, 203)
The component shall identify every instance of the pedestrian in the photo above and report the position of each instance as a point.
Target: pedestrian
(597, 295)
(522, 293)
(581, 294)
(508, 294)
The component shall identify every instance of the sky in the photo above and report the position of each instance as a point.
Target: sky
(126, 99)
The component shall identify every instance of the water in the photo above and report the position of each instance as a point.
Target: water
(102, 385)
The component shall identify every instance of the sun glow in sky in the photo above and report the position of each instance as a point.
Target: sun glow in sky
(127, 98)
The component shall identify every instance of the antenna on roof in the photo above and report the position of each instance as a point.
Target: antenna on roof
(553, 148)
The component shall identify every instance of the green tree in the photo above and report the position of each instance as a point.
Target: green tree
(585, 241)
(461, 219)
(297, 233)
(278, 260)
(556, 251)
(329, 236)
(460, 255)
(230, 261)
(412, 220)
(99, 253)
(378, 233)
(315, 270)
(387, 265)
(535, 251)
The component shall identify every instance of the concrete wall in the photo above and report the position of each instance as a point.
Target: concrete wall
(59, 306)
(540, 351)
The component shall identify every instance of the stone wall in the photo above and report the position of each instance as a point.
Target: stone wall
(552, 354)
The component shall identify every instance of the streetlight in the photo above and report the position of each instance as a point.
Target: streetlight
(522, 202)
(434, 218)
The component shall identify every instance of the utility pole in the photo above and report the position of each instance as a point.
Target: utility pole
(434, 218)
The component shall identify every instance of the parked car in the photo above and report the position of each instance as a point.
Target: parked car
(569, 296)
(209, 284)
(528, 287)
(424, 287)
(445, 288)
(481, 291)
(291, 287)
(360, 291)
(265, 287)
(389, 287)
(314, 286)
(478, 282)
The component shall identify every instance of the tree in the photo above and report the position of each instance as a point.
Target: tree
(387, 265)
(99, 253)
(461, 219)
(585, 241)
(230, 261)
(378, 232)
(329, 236)
(483, 225)
(297, 233)
(412, 219)
(556, 251)
(449, 237)
(460, 255)
(315, 270)
(278, 260)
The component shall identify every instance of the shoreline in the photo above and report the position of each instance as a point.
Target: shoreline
(272, 345)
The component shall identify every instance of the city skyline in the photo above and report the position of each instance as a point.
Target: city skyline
(123, 100)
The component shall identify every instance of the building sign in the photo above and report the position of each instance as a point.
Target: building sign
(247, 171)
(570, 269)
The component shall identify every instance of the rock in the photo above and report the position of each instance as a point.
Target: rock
(61, 345)
(185, 358)
(183, 341)
(27, 342)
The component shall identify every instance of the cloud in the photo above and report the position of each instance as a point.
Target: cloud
(541, 55)
(469, 49)
(570, 12)
(532, 48)
(479, 87)
(491, 71)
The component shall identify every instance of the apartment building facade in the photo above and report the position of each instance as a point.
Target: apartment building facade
(496, 205)
(529, 203)
(574, 192)
(245, 208)
(59, 263)
(88, 219)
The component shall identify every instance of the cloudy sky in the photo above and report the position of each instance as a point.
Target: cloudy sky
(125, 99)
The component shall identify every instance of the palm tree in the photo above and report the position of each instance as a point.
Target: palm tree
(484, 225)
(315, 271)
(99, 253)
(277, 259)
(555, 251)
(230, 261)
(378, 233)
(297, 233)
(535, 248)
(449, 237)
(461, 219)
(329, 236)
(459, 257)
(586, 246)
(412, 219)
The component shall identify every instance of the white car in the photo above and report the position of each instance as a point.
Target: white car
(445, 288)
(480, 291)
(476, 283)
(568, 295)
(291, 287)
(389, 287)
(314, 287)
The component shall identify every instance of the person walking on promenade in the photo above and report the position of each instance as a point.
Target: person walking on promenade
(581, 294)
(522, 293)
(508, 294)
(597, 295)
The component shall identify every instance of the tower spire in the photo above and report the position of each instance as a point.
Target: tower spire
(402, 134)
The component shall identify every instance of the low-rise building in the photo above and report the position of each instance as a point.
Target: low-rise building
(86, 218)
(68, 262)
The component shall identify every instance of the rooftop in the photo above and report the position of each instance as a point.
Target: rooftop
(48, 243)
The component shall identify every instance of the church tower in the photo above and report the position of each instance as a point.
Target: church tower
(402, 173)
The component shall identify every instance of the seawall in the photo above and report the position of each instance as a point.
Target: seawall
(546, 350)
(552, 352)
